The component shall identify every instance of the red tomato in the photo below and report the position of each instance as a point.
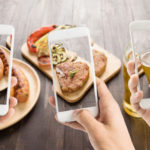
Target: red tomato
(33, 37)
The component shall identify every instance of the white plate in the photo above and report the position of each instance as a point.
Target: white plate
(22, 109)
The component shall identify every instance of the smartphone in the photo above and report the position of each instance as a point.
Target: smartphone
(75, 51)
(140, 42)
(5, 67)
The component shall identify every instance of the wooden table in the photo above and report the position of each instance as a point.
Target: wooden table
(108, 21)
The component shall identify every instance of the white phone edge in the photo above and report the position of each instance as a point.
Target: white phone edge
(7, 30)
(135, 26)
(66, 116)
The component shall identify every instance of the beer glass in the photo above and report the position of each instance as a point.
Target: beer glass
(140, 42)
(126, 97)
(145, 61)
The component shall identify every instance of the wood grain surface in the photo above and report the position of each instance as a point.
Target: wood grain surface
(108, 22)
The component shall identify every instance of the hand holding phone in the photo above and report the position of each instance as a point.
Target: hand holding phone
(140, 41)
(101, 130)
(73, 72)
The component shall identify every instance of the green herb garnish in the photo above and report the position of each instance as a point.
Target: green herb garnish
(72, 73)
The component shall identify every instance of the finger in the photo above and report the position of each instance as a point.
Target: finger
(135, 99)
(106, 99)
(12, 102)
(131, 68)
(73, 125)
(133, 83)
(10, 113)
(102, 89)
(86, 120)
(107, 104)
(52, 101)
(13, 81)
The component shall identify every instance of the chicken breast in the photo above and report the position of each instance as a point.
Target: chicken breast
(72, 75)
(100, 61)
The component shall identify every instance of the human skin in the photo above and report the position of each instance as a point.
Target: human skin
(12, 104)
(108, 130)
(136, 95)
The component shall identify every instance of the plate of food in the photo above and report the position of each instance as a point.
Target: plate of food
(27, 82)
(72, 74)
(106, 64)
(35, 49)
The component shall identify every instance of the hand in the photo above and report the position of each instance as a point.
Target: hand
(12, 103)
(136, 96)
(108, 130)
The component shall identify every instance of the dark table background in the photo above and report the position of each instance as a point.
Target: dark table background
(108, 22)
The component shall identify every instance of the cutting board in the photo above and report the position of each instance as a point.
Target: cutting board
(112, 68)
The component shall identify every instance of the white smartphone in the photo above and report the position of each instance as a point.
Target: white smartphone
(73, 45)
(140, 42)
(6, 57)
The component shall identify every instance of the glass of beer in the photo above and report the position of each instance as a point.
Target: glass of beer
(126, 97)
(145, 61)
(140, 42)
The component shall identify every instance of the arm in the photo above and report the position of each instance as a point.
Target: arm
(108, 130)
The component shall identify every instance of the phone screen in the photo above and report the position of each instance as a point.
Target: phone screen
(4, 68)
(73, 69)
(141, 42)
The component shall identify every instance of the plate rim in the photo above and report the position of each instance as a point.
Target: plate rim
(37, 98)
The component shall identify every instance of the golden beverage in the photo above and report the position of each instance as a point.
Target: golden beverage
(126, 98)
(145, 60)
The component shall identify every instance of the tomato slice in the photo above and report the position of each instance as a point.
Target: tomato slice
(44, 61)
(33, 37)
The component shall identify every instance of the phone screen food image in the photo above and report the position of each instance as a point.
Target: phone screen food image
(4, 70)
(72, 73)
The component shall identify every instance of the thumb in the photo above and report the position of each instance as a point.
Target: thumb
(85, 118)
(106, 98)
